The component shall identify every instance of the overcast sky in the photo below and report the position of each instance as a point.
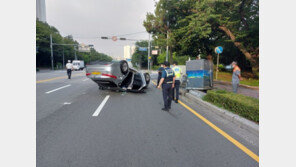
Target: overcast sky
(88, 20)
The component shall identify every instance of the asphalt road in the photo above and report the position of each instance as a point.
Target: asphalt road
(130, 130)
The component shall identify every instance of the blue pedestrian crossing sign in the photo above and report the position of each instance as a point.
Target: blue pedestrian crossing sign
(219, 49)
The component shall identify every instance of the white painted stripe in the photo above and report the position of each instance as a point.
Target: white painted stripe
(85, 79)
(97, 112)
(57, 89)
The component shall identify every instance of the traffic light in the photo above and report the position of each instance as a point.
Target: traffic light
(104, 37)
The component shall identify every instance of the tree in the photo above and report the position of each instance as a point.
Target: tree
(139, 58)
(43, 56)
(198, 26)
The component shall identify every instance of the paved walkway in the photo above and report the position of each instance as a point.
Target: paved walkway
(241, 90)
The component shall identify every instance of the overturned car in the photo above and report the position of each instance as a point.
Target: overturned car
(117, 75)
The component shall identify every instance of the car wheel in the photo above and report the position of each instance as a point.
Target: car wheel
(124, 67)
(147, 78)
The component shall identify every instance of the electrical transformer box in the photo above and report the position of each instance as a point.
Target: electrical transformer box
(199, 74)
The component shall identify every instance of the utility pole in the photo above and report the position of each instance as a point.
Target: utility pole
(149, 45)
(63, 58)
(167, 47)
(75, 52)
(51, 52)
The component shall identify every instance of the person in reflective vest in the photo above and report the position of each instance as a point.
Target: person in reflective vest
(178, 73)
(167, 82)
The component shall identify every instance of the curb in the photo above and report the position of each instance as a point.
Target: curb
(238, 120)
(229, 83)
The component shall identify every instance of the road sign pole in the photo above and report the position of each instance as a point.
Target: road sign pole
(51, 52)
(217, 68)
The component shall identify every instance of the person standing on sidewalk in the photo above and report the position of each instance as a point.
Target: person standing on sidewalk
(167, 82)
(178, 74)
(69, 67)
(160, 69)
(236, 76)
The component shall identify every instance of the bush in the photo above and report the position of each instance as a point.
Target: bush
(245, 106)
(221, 67)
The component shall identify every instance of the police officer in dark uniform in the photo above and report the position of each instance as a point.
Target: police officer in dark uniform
(167, 82)
(160, 69)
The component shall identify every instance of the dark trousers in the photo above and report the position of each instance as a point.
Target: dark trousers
(176, 90)
(158, 79)
(167, 93)
(69, 71)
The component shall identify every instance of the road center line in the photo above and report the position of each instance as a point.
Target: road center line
(57, 89)
(63, 77)
(221, 132)
(97, 112)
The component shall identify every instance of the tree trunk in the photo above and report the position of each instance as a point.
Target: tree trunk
(254, 63)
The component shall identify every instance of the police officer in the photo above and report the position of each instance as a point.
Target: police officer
(69, 67)
(167, 82)
(160, 69)
(178, 72)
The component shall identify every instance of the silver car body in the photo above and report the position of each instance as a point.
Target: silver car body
(109, 75)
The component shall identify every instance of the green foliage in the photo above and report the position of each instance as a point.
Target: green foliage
(244, 106)
(195, 28)
(140, 58)
(181, 60)
(221, 67)
(161, 57)
(43, 31)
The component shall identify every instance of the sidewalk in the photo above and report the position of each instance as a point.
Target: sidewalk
(241, 90)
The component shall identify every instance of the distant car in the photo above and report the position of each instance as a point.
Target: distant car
(229, 67)
(117, 75)
(78, 64)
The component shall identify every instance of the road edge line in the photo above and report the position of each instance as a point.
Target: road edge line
(220, 131)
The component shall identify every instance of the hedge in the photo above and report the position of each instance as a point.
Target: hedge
(245, 106)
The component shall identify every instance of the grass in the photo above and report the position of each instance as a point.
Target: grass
(245, 106)
(227, 76)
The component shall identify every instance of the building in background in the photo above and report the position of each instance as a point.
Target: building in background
(40, 10)
(128, 52)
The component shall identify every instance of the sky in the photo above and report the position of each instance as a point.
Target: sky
(88, 20)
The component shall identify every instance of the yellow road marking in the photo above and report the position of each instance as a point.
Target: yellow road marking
(50, 79)
(228, 137)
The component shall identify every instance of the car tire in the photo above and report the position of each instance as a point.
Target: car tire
(123, 67)
(147, 78)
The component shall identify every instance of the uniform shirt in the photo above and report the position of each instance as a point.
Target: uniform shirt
(235, 78)
(178, 72)
(69, 66)
(164, 73)
(160, 69)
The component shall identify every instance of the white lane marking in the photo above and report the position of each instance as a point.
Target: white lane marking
(57, 89)
(85, 79)
(66, 103)
(97, 112)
